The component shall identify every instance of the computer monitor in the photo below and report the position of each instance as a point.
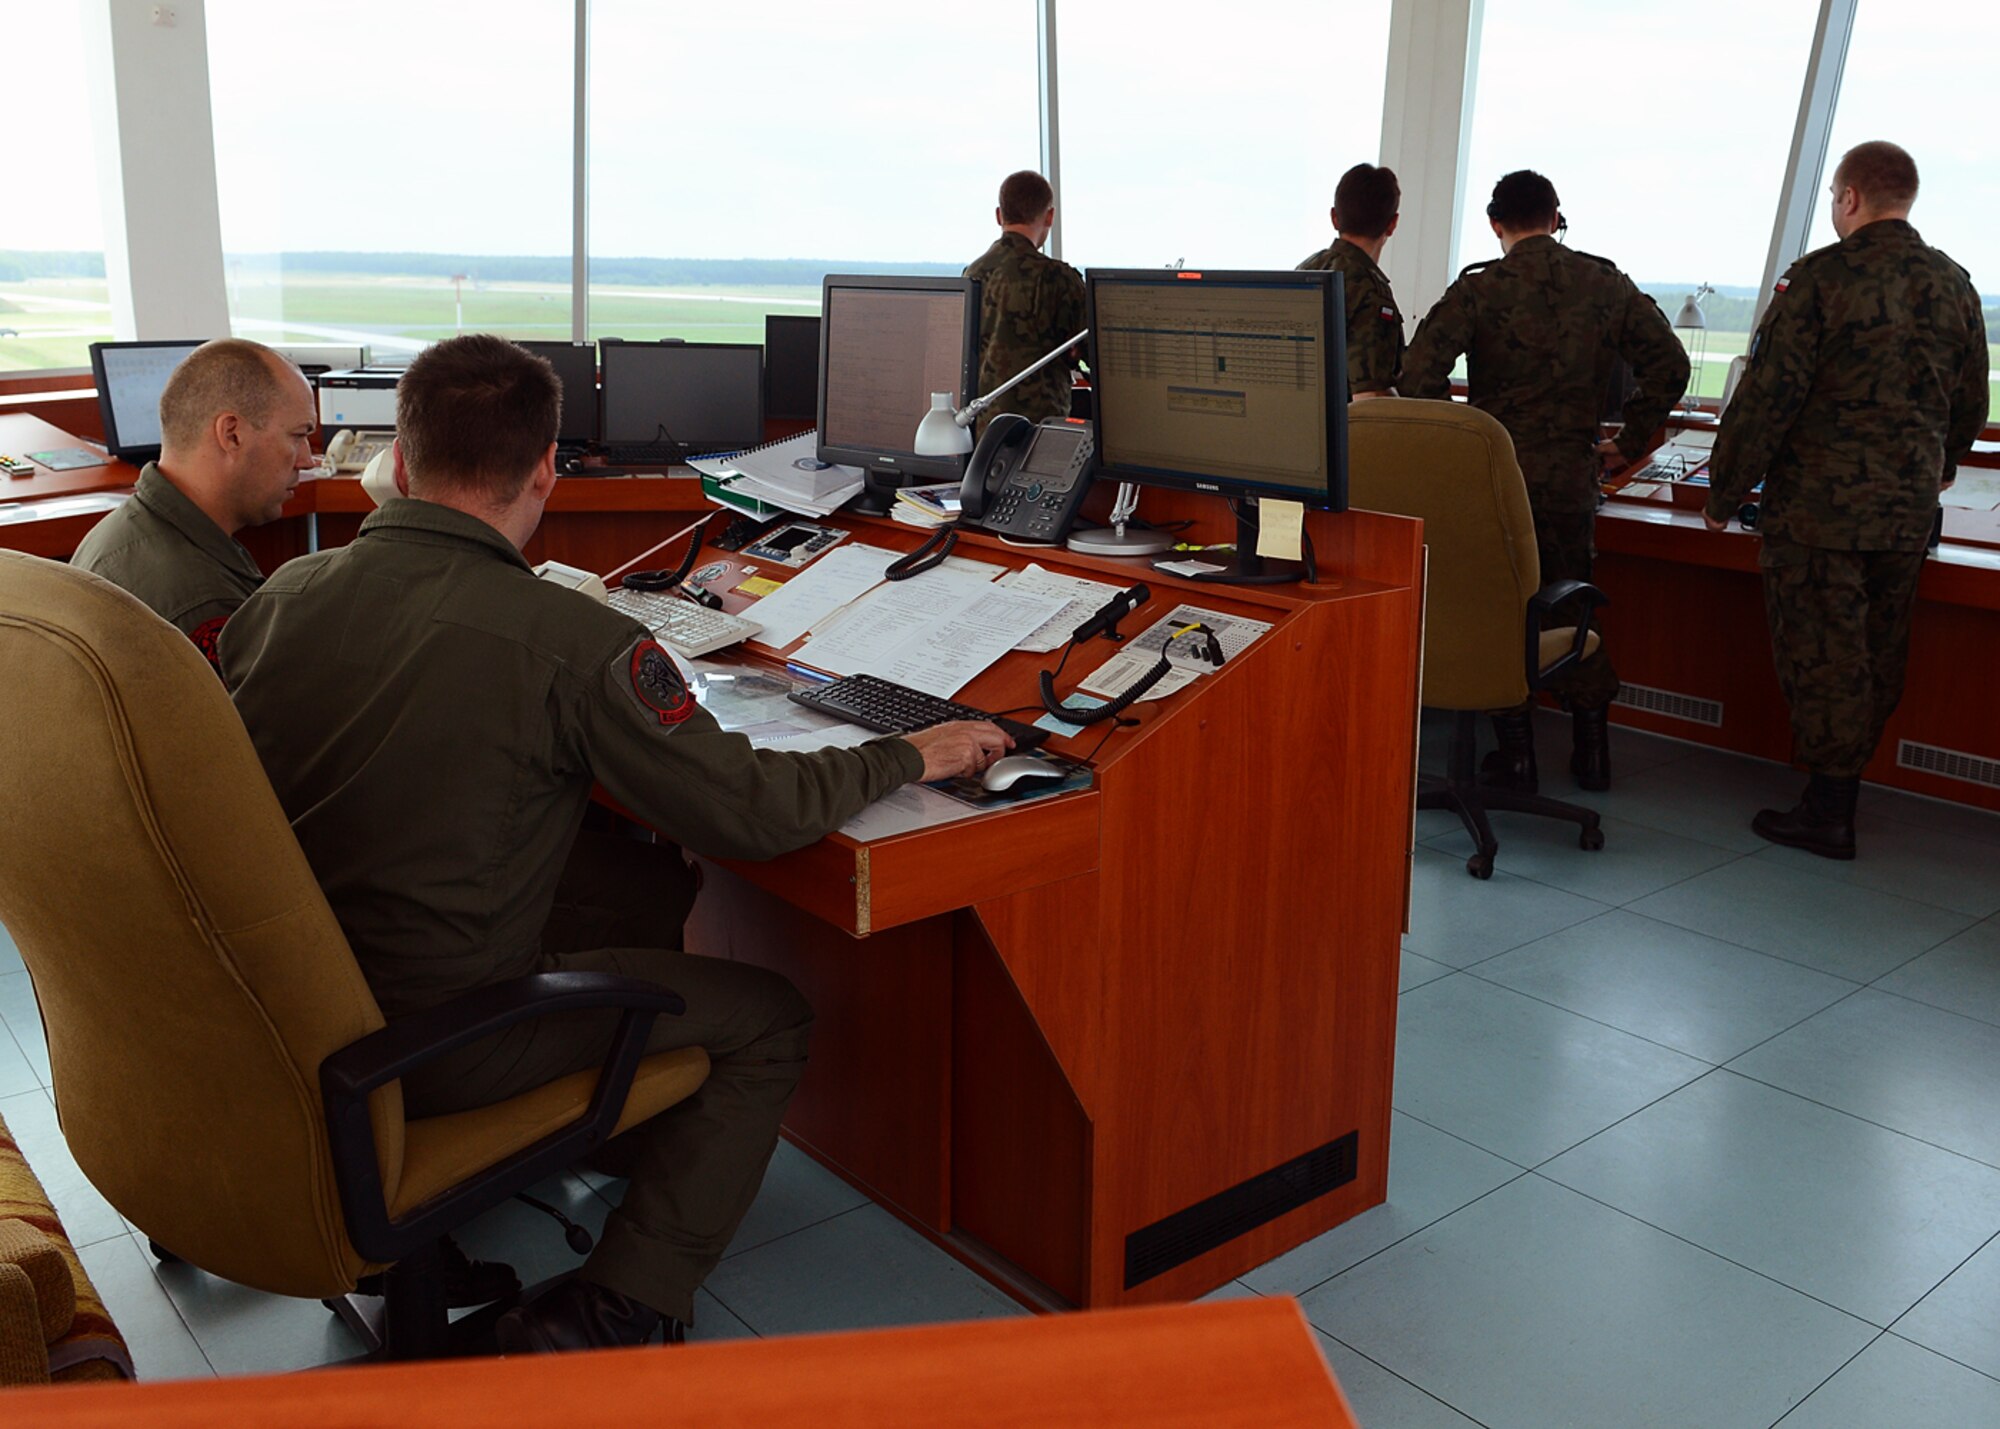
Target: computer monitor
(576, 368)
(704, 396)
(1230, 382)
(130, 377)
(791, 368)
(885, 345)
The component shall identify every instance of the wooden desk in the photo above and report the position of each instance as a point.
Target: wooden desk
(1248, 1363)
(1045, 1034)
(1687, 617)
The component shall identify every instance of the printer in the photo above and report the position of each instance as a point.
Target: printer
(359, 397)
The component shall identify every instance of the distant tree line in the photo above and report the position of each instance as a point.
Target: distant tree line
(1727, 310)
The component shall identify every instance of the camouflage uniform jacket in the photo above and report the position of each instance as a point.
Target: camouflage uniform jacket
(1028, 302)
(1374, 322)
(165, 550)
(433, 717)
(1866, 385)
(1543, 329)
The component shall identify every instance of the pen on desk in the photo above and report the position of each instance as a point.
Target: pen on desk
(818, 675)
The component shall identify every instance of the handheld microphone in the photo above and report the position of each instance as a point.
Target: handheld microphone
(1110, 613)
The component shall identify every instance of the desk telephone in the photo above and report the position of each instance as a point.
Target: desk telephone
(350, 450)
(1026, 480)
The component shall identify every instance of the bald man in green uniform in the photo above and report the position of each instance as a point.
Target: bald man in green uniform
(433, 719)
(236, 425)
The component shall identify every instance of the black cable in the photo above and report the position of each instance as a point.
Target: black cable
(1118, 722)
(668, 579)
(926, 557)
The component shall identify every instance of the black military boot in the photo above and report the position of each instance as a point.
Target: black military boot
(1512, 765)
(1822, 822)
(580, 1315)
(1590, 754)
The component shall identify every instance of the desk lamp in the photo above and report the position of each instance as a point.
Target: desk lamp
(1692, 319)
(944, 432)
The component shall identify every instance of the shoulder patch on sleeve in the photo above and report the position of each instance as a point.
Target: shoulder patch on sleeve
(657, 684)
(205, 636)
(1389, 314)
(1780, 287)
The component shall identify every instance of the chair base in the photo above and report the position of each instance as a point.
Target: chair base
(1462, 793)
(411, 1320)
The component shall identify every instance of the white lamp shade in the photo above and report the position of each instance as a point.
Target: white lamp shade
(1691, 315)
(939, 433)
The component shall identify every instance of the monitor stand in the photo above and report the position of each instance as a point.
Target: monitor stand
(1119, 539)
(1251, 568)
(878, 492)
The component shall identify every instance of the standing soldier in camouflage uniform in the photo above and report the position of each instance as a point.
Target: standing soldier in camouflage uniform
(236, 425)
(1866, 386)
(1365, 204)
(1028, 303)
(1543, 330)
(433, 719)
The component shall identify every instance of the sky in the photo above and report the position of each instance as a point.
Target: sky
(878, 131)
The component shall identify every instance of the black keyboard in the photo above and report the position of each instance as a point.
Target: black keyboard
(898, 709)
(643, 454)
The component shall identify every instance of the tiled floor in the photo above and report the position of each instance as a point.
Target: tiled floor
(1688, 1131)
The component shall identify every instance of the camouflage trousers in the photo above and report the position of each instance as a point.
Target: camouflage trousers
(1840, 637)
(1567, 541)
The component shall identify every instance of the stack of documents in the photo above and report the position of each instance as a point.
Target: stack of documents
(927, 506)
(934, 632)
(784, 474)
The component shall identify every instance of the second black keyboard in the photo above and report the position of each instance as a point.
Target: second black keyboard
(897, 709)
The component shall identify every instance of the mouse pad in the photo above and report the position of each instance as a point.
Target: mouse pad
(968, 789)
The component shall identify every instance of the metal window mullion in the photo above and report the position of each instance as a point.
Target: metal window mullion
(1811, 135)
(1045, 65)
(579, 239)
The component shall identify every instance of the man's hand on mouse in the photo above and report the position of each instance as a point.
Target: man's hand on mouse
(963, 747)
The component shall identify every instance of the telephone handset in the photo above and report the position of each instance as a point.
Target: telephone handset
(350, 450)
(1026, 480)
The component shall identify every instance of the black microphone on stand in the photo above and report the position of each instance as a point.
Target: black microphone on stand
(1105, 621)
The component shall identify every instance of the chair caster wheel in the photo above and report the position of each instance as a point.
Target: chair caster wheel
(1480, 865)
(1591, 839)
(162, 1254)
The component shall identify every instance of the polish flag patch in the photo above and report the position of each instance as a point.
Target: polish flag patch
(1783, 283)
(1388, 314)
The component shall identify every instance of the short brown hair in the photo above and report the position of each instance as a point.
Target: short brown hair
(475, 414)
(1883, 174)
(231, 374)
(1366, 200)
(1025, 197)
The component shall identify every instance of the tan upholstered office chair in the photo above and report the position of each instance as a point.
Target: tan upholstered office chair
(1485, 643)
(223, 1075)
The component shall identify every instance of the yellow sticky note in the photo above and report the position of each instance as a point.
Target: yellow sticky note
(1281, 524)
(759, 586)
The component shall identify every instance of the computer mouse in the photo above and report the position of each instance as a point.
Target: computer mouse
(1020, 773)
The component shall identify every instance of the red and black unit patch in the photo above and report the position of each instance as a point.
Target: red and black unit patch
(658, 684)
(205, 636)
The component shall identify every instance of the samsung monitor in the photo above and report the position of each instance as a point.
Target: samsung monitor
(791, 368)
(130, 377)
(701, 396)
(1228, 382)
(885, 345)
(576, 369)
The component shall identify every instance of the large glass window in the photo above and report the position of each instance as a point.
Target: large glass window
(738, 155)
(1213, 133)
(1895, 88)
(53, 302)
(1664, 129)
(392, 173)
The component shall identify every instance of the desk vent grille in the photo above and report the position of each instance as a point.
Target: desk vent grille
(1200, 1228)
(1672, 704)
(1951, 763)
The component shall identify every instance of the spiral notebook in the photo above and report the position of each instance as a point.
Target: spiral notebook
(789, 466)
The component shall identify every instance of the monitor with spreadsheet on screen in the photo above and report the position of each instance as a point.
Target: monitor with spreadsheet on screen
(130, 377)
(886, 344)
(1234, 383)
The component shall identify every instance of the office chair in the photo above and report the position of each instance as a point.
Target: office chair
(222, 1073)
(1487, 641)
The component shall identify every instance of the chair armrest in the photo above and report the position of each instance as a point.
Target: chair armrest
(1541, 606)
(349, 1076)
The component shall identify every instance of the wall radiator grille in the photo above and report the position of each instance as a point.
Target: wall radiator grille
(1672, 704)
(1951, 763)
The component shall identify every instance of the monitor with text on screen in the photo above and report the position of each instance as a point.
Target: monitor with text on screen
(887, 344)
(130, 377)
(1227, 382)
